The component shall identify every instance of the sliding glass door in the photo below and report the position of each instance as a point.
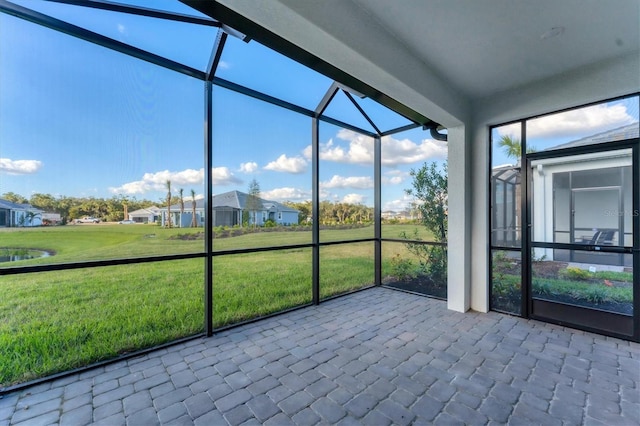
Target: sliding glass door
(583, 243)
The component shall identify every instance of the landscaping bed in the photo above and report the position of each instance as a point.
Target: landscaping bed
(421, 284)
(557, 281)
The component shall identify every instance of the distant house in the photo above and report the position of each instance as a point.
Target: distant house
(51, 218)
(229, 209)
(14, 214)
(147, 215)
(406, 215)
(389, 214)
(397, 215)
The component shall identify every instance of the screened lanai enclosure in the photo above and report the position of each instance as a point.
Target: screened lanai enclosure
(574, 263)
(110, 108)
(505, 190)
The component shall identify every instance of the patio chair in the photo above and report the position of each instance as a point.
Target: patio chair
(602, 237)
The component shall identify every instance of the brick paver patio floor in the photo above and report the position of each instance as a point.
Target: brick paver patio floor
(375, 357)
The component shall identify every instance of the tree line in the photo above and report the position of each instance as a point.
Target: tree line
(112, 209)
(69, 208)
(332, 213)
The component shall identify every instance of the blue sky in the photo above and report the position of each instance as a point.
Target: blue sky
(79, 120)
(555, 129)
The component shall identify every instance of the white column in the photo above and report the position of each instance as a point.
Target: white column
(479, 220)
(459, 235)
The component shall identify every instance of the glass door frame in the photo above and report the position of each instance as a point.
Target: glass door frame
(617, 325)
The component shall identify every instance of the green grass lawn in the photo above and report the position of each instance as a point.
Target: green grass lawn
(507, 289)
(54, 321)
(59, 320)
(78, 243)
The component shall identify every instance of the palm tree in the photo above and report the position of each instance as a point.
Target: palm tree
(181, 192)
(168, 221)
(30, 216)
(194, 222)
(512, 146)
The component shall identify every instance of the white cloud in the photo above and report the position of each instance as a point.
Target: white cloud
(324, 194)
(575, 123)
(294, 165)
(394, 151)
(224, 176)
(360, 147)
(353, 199)
(122, 29)
(248, 167)
(395, 180)
(130, 188)
(329, 152)
(307, 152)
(360, 150)
(189, 177)
(399, 204)
(394, 177)
(405, 151)
(19, 167)
(358, 182)
(286, 194)
(224, 65)
(157, 181)
(512, 130)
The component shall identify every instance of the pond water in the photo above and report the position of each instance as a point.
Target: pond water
(16, 255)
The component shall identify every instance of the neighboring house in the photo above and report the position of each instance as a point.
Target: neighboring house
(228, 209)
(389, 214)
(405, 215)
(147, 215)
(401, 215)
(577, 199)
(14, 214)
(585, 199)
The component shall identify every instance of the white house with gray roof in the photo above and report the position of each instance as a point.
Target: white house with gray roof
(228, 210)
(585, 199)
(145, 215)
(14, 214)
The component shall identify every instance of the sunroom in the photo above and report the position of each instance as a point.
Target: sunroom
(339, 113)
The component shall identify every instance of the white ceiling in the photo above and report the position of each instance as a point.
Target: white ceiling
(441, 58)
(483, 47)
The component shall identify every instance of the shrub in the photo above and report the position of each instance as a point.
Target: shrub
(432, 258)
(595, 294)
(505, 287)
(430, 188)
(573, 273)
(542, 288)
(402, 268)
